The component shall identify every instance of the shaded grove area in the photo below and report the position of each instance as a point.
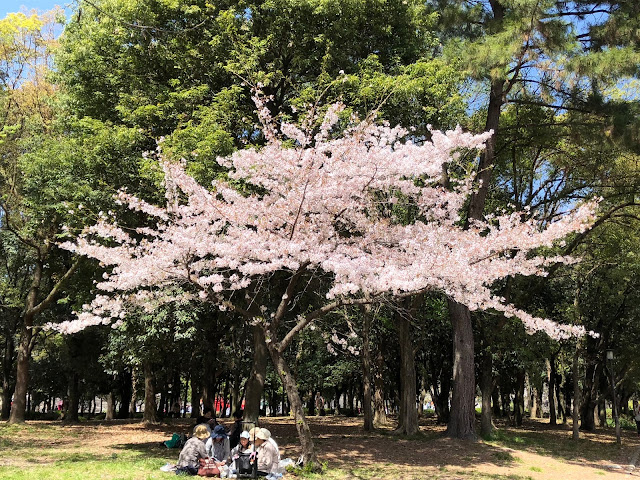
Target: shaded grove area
(128, 450)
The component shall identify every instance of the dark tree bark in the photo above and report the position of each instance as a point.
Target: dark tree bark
(440, 392)
(255, 382)
(311, 403)
(558, 391)
(150, 415)
(290, 385)
(25, 342)
(235, 392)
(408, 420)
(518, 403)
(125, 393)
(226, 396)
(379, 412)
(495, 401)
(185, 395)
(536, 397)
(366, 370)
(486, 387)
(134, 393)
(196, 395)
(8, 384)
(551, 375)
(73, 394)
(19, 405)
(464, 395)
(576, 392)
(461, 423)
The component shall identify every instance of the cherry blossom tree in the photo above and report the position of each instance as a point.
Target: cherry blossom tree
(311, 203)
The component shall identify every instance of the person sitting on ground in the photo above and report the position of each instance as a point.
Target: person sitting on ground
(244, 446)
(272, 442)
(267, 454)
(236, 429)
(193, 451)
(207, 419)
(217, 446)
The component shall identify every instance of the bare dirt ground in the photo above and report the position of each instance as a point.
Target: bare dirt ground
(534, 451)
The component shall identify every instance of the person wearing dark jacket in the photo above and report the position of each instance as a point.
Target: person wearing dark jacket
(236, 428)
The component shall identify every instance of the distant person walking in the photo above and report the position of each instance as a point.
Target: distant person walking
(636, 414)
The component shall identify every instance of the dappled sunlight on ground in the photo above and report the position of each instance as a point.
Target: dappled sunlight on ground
(534, 451)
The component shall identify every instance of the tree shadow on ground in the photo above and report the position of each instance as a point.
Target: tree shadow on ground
(537, 436)
(149, 449)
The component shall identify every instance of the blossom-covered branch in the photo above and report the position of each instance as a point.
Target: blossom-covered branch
(330, 204)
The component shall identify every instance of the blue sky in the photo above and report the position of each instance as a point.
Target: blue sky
(8, 6)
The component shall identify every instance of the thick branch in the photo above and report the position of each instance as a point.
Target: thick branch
(304, 321)
(7, 225)
(288, 295)
(54, 291)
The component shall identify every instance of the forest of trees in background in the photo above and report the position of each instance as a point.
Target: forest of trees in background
(555, 81)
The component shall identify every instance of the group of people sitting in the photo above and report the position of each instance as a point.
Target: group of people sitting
(214, 452)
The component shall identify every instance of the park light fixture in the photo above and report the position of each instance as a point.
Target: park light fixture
(609, 354)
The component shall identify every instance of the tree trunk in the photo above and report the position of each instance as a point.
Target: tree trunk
(290, 385)
(255, 382)
(125, 393)
(559, 402)
(463, 411)
(366, 370)
(551, 374)
(32, 308)
(22, 373)
(486, 387)
(235, 393)
(495, 401)
(576, 392)
(536, 398)
(71, 413)
(7, 370)
(195, 398)
(134, 393)
(461, 423)
(518, 403)
(226, 397)
(111, 407)
(149, 416)
(379, 415)
(408, 420)
(588, 404)
(602, 412)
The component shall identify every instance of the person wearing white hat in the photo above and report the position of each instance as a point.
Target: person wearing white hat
(243, 446)
(267, 453)
(272, 442)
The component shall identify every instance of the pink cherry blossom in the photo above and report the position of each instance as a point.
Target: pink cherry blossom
(329, 203)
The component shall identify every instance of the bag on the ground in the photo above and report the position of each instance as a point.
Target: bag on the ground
(246, 466)
(208, 468)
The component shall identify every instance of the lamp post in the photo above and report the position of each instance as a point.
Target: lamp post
(613, 395)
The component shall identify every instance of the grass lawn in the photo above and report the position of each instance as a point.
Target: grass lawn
(129, 450)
